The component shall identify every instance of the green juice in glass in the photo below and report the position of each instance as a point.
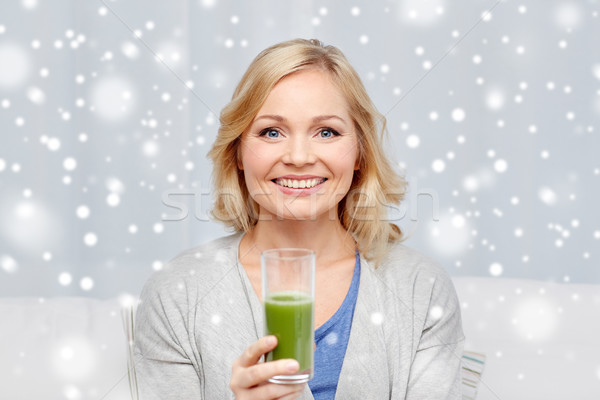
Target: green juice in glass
(289, 316)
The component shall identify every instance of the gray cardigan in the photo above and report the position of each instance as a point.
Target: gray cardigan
(199, 314)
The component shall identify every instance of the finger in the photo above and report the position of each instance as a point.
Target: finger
(253, 353)
(294, 395)
(277, 391)
(259, 373)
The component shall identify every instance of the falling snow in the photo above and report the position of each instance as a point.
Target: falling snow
(377, 318)
(90, 239)
(86, 283)
(9, 265)
(65, 278)
(16, 65)
(495, 129)
(436, 312)
(496, 269)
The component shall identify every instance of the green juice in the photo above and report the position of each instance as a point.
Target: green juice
(289, 316)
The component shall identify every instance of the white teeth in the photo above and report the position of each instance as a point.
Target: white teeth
(291, 183)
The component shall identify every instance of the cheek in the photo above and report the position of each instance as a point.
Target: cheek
(256, 153)
(255, 164)
(247, 158)
(348, 158)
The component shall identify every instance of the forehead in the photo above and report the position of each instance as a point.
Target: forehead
(307, 91)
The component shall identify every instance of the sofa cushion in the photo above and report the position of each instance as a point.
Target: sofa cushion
(541, 339)
(62, 348)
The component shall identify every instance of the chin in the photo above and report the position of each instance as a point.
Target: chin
(300, 215)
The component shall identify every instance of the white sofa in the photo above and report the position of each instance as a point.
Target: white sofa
(62, 348)
(540, 340)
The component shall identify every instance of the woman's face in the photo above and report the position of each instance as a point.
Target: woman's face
(300, 152)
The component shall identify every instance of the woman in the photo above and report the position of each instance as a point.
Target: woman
(298, 162)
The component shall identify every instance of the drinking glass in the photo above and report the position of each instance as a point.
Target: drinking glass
(288, 292)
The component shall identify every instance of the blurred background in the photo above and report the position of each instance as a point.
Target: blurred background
(108, 108)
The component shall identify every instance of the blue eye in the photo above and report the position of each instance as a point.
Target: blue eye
(327, 133)
(272, 133)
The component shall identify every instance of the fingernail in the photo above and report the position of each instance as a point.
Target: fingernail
(292, 366)
(271, 340)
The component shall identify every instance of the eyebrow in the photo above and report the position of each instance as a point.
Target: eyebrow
(316, 119)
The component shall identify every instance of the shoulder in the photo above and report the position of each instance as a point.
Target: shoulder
(209, 262)
(220, 250)
(402, 260)
(410, 272)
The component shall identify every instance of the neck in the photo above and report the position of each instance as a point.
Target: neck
(328, 239)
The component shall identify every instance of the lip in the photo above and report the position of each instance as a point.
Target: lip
(300, 177)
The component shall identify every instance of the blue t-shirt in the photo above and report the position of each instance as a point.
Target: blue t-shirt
(332, 339)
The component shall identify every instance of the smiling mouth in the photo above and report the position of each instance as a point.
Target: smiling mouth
(299, 184)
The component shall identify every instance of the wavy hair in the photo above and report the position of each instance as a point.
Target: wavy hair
(375, 185)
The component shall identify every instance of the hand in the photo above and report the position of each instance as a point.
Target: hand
(249, 377)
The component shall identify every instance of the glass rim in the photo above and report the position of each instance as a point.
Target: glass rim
(296, 253)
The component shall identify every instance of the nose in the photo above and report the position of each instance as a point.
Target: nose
(299, 151)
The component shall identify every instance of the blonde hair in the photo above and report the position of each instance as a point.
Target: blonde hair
(375, 185)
